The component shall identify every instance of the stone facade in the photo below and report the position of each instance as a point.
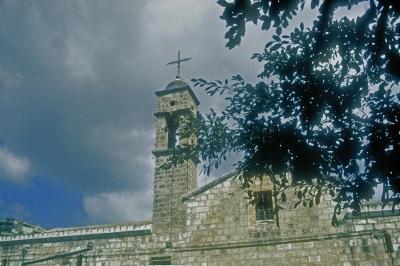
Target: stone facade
(213, 224)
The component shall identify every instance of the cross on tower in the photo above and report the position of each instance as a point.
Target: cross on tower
(178, 62)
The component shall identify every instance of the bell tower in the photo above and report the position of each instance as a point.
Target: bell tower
(173, 103)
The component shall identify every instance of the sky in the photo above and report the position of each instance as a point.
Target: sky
(77, 83)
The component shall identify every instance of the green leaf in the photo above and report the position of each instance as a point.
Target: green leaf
(299, 194)
(279, 30)
(222, 3)
(267, 24)
(283, 197)
(268, 44)
(314, 3)
(276, 38)
(275, 47)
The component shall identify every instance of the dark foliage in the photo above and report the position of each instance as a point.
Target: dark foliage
(326, 108)
(379, 15)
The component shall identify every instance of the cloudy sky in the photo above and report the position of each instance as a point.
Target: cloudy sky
(77, 83)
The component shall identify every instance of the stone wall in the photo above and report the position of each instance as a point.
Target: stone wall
(126, 244)
(221, 227)
(169, 213)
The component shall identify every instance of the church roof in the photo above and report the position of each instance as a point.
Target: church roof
(208, 185)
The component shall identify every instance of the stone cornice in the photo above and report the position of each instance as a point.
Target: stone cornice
(168, 152)
(172, 113)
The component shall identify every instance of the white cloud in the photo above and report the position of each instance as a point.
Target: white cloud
(122, 204)
(12, 167)
(119, 207)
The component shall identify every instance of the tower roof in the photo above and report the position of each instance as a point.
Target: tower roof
(177, 83)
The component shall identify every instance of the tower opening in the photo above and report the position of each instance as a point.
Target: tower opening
(172, 132)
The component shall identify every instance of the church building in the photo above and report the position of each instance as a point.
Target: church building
(210, 225)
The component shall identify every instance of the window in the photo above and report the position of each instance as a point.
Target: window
(166, 260)
(263, 205)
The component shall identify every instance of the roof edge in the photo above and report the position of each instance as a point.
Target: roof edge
(95, 226)
(208, 186)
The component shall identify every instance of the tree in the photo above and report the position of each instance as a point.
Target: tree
(326, 108)
(379, 15)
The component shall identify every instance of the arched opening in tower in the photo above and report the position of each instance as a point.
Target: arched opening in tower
(172, 132)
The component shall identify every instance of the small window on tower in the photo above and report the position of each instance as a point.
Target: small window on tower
(264, 206)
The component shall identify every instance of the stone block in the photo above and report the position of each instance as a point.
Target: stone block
(352, 243)
(284, 247)
(314, 259)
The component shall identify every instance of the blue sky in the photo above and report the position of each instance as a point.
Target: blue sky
(77, 83)
(42, 201)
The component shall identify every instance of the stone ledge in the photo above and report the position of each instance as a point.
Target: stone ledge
(372, 214)
(81, 233)
(36, 240)
(275, 242)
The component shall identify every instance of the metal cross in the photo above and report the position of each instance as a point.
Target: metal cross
(178, 72)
